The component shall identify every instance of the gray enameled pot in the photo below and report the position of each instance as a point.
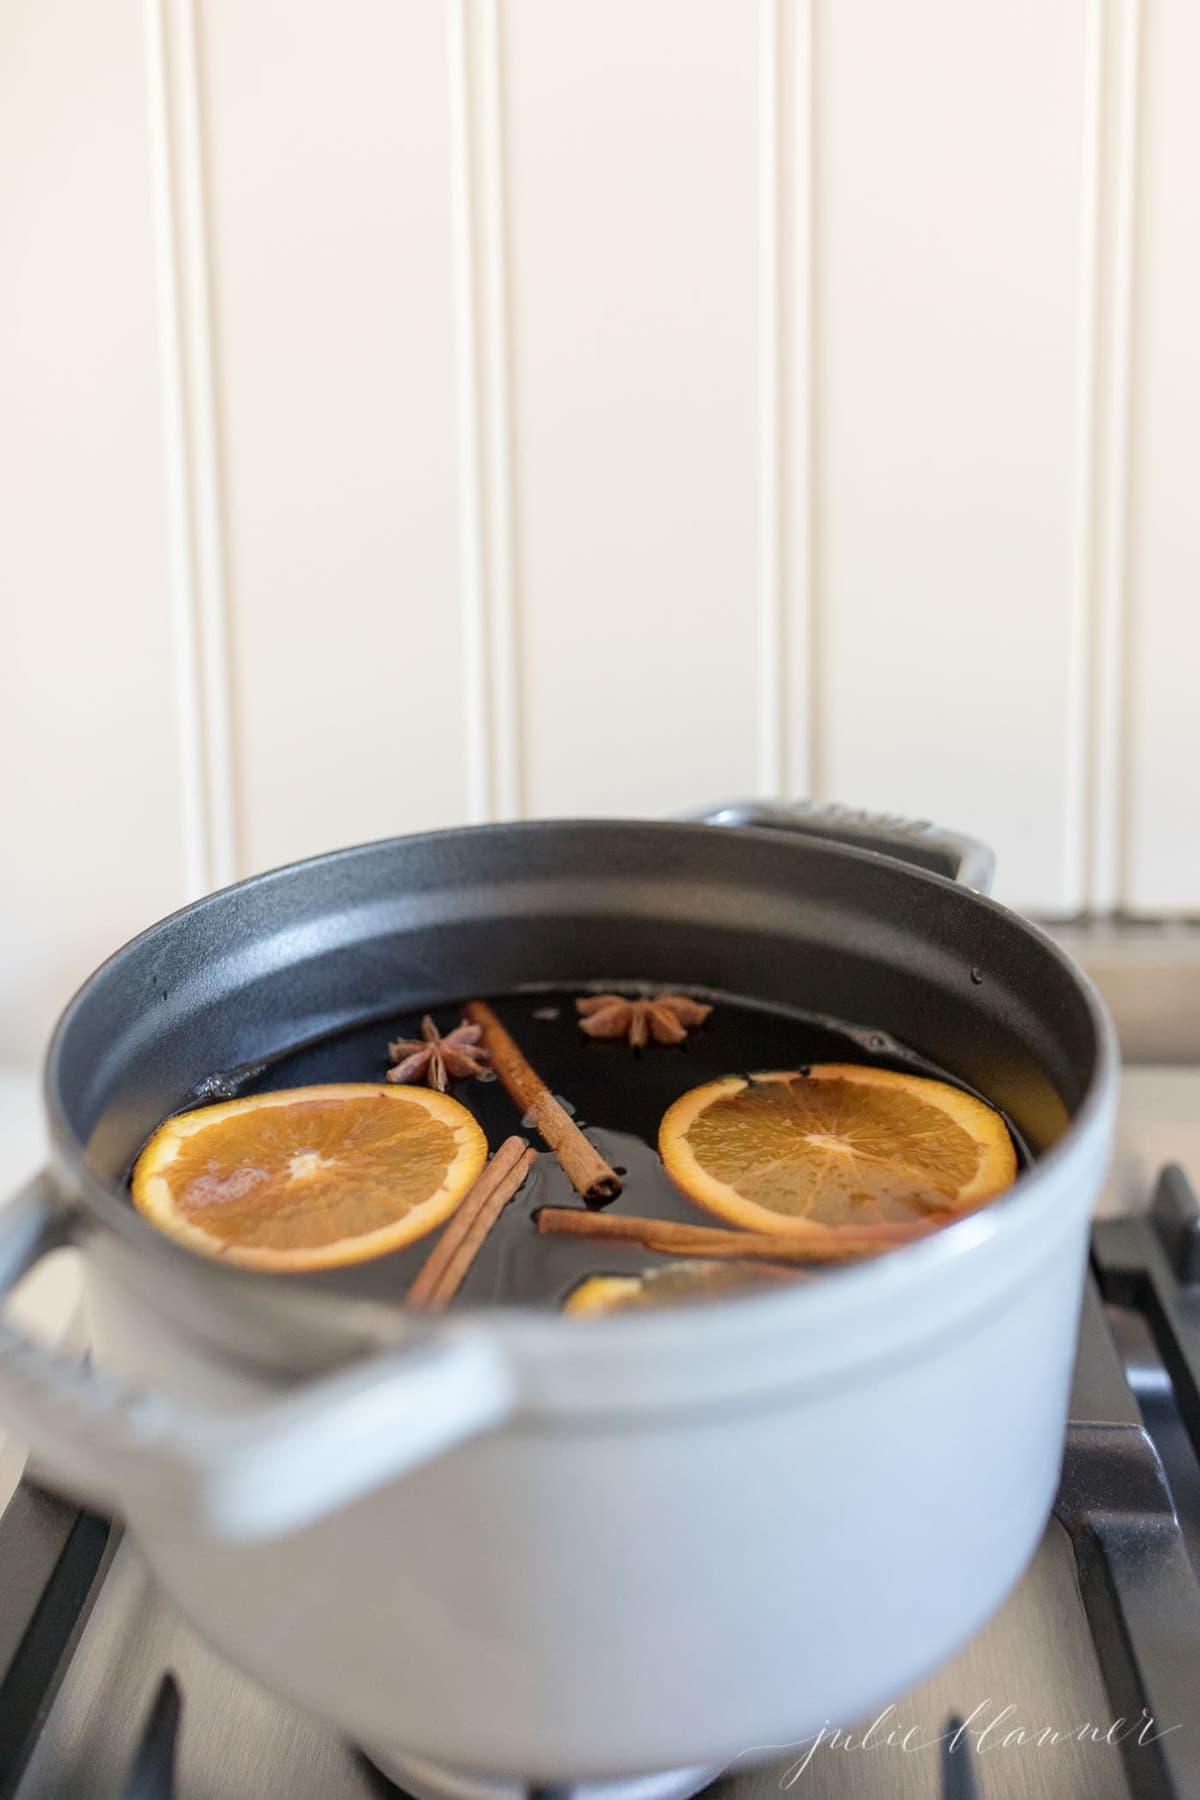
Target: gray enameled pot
(635, 1542)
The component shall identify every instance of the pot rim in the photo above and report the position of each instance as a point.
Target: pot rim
(527, 1331)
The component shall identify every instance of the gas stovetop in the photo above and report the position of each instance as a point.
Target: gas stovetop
(1084, 1686)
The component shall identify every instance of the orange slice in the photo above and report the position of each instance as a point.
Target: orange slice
(836, 1145)
(310, 1178)
(671, 1284)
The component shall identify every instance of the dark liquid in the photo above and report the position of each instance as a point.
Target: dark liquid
(617, 1095)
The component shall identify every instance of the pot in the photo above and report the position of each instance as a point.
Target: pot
(553, 1549)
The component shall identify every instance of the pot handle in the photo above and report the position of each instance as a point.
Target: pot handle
(238, 1475)
(962, 859)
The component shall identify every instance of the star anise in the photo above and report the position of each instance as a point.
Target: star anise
(435, 1059)
(667, 1018)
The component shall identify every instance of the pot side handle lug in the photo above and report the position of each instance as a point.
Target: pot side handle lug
(962, 859)
(236, 1476)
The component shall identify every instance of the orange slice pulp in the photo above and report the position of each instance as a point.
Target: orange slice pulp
(672, 1284)
(836, 1145)
(310, 1178)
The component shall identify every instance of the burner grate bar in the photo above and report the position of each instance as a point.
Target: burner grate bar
(1141, 1596)
(958, 1765)
(1152, 1263)
(152, 1776)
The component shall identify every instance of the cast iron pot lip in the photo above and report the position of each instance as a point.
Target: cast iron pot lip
(107, 1204)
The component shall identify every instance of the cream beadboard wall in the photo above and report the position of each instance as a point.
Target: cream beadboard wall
(456, 409)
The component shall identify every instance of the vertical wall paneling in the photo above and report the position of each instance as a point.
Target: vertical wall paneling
(1109, 622)
(453, 411)
(198, 600)
(1078, 716)
(328, 165)
(193, 810)
(1162, 848)
(798, 145)
(472, 497)
(1094, 696)
(772, 697)
(948, 212)
(635, 179)
(1113, 747)
(90, 835)
(508, 791)
(479, 211)
(787, 707)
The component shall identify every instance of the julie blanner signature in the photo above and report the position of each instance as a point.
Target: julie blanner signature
(989, 1728)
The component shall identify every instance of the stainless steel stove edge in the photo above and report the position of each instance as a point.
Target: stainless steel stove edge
(1148, 973)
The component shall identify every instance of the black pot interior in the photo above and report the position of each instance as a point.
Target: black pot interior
(418, 921)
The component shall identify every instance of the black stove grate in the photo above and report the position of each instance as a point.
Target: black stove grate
(152, 1776)
(958, 1765)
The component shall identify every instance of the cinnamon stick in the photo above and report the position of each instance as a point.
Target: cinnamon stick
(444, 1269)
(581, 1162)
(818, 1244)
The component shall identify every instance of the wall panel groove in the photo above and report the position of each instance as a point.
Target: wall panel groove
(479, 205)
(1112, 623)
(197, 533)
(464, 205)
(1155, 551)
(1078, 711)
(804, 709)
(1097, 709)
(504, 641)
(773, 322)
(789, 701)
